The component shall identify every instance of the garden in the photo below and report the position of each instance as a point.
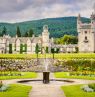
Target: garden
(76, 91)
(77, 68)
(16, 90)
(22, 66)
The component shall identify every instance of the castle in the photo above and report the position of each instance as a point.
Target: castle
(25, 44)
(28, 45)
(86, 34)
(86, 41)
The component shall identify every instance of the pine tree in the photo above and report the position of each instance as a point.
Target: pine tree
(37, 50)
(18, 32)
(30, 33)
(26, 34)
(4, 31)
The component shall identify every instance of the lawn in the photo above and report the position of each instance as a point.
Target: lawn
(18, 56)
(16, 90)
(75, 91)
(23, 76)
(57, 56)
(66, 75)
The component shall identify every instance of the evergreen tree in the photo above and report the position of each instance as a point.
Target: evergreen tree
(4, 31)
(30, 33)
(26, 34)
(37, 50)
(53, 52)
(18, 32)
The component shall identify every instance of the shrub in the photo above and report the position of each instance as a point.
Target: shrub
(92, 86)
(86, 88)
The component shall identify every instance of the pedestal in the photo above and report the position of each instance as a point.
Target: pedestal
(46, 77)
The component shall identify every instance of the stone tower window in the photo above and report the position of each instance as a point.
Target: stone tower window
(85, 37)
(86, 40)
(85, 32)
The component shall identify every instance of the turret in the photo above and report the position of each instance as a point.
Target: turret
(78, 22)
(93, 20)
(45, 36)
(45, 28)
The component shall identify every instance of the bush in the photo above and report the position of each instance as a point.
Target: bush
(86, 88)
(92, 86)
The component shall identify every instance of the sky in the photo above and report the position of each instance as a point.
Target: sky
(25, 10)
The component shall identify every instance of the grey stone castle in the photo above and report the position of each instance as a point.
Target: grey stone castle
(27, 45)
(86, 34)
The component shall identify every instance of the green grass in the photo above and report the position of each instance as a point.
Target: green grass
(75, 91)
(57, 56)
(25, 75)
(66, 75)
(16, 90)
(18, 56)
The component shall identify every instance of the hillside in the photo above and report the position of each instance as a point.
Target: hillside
(57, 26)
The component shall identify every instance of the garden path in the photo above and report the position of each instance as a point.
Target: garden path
(46, 90)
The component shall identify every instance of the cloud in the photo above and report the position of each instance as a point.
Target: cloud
(23, 10)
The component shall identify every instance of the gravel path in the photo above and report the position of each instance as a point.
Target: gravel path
(46, 90)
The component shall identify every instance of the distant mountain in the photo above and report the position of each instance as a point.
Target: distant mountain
(57, 26)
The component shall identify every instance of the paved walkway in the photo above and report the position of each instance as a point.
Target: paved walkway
(46, 90)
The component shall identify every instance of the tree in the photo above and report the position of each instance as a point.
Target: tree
(23, 48)
(47, 50)
(30, 33)
(4, 31)
(67, 39)
(10, 48)
(37, 50)
(18, 32)
(26, 34)
(54, 50)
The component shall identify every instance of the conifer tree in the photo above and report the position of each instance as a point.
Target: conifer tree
(30, 33)
(26, 34)
(4, 31)
(18, 32)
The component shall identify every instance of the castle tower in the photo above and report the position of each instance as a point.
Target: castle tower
(86, 35)
(79, 22)
(45, 36)
(93, 29)
(93, 20)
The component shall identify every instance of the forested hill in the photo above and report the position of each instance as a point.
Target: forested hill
(57, 26)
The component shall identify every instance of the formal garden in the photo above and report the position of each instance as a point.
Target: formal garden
(64, 66)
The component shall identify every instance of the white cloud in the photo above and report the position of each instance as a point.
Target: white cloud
(23, 10)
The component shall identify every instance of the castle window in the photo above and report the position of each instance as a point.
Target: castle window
(85, 37)
(86, 40)
(85, 32)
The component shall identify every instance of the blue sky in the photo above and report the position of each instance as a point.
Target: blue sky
(24, 10)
